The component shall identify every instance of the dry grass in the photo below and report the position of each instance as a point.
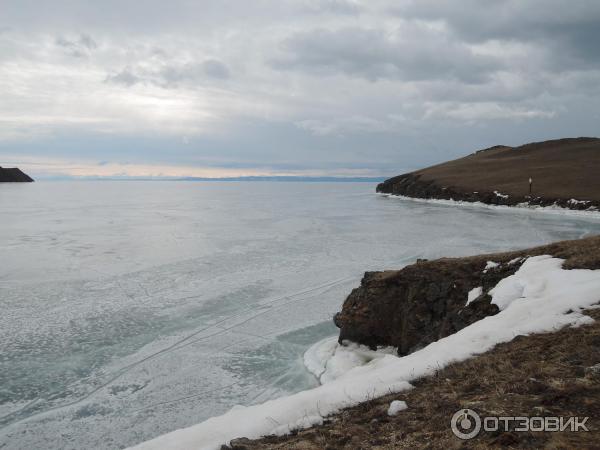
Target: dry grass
(538, 375)
(578, 254)
(566, 168)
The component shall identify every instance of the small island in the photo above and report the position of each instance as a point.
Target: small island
(14, 175)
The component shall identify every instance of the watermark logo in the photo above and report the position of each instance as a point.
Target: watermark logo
(466, 423)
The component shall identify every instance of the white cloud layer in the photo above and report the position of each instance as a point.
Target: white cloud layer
(294, 85)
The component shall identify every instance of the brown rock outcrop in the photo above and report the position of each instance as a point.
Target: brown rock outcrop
(423, 302)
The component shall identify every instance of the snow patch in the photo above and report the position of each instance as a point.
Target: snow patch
(490, 265)
(527, 282)
(539, 297)
(474, 294)
(499, 194)
(578, 202)
(396, 406)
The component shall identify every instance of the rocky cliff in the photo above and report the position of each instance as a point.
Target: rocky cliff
(563, 172)
(423, 302)
(13, 175)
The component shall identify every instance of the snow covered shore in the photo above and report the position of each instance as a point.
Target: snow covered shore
(540, 297)
(520, 207)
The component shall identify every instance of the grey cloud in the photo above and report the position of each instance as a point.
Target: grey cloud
(79, 47)
(215, 69)
(211, 68)
(412, 53)
(332, 6)
(197, 72)
(171, 76)
(125, 77)
(87, 42)
(569, 30)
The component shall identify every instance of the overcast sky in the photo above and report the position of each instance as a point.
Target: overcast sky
(308, 87)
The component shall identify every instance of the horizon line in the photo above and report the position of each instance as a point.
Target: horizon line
(280, 178)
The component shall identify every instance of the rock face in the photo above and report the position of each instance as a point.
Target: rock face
(419, 304)
(564, 173)
(13, 175)
(426, 301)
(410, 185)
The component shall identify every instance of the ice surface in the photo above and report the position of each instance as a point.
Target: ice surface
(552, 298)
(131, 309)
(327, 360)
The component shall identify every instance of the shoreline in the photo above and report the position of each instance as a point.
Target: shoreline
(519, 207)
(554, 284)
(512, 380)
(556, 173)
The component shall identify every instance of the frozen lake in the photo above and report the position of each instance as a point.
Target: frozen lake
(130, 309)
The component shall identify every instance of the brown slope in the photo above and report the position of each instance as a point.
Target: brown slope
(561, 169)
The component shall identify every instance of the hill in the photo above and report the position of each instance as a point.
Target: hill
(564, 173)
(13, 175)
(547, 374)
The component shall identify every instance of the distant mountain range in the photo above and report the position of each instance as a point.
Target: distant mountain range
(290, 178)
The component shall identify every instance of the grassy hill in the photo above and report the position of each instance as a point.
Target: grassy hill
(561, 170)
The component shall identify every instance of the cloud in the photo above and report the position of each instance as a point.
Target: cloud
(171, 76)
(568, 29)
(215, 69)
(471, 112)
(352, 125)
(305, 85)
(80, 47)
(332, 6)
(194, 72)
(410, 52)
(125, 77)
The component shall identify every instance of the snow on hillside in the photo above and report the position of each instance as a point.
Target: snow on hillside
(539, 297)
